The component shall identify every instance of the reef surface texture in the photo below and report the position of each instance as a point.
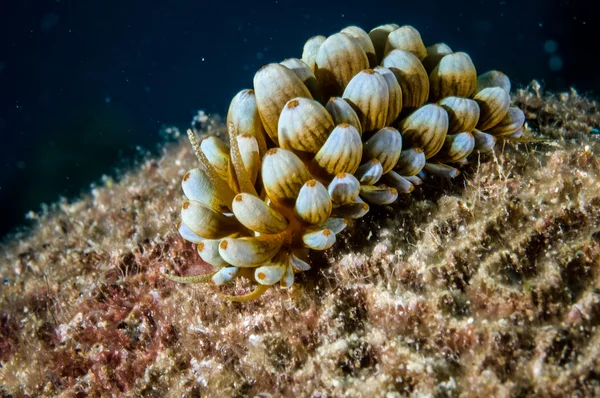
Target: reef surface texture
(487, 285)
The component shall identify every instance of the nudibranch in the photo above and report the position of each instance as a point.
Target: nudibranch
(360, 119)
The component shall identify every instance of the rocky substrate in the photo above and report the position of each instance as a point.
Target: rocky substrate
(486, 285)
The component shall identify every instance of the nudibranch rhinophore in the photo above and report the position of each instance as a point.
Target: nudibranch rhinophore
(358, 120)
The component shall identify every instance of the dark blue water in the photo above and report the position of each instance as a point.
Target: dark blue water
(85, 84)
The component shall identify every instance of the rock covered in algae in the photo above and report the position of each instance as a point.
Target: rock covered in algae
(486, 287)
(411, 113)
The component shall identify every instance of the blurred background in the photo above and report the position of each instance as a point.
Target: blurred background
(85, 86)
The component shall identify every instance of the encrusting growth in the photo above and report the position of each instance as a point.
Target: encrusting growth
(359, 120)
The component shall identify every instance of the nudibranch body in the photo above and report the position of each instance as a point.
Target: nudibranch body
(359, 120)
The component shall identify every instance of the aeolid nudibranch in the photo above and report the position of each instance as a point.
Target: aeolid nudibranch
(359, 120)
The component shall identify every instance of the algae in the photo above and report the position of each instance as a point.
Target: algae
(487, 285)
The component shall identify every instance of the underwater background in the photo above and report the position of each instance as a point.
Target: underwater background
(87, 87)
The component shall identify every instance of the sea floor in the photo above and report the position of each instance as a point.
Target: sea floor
(487, 285)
